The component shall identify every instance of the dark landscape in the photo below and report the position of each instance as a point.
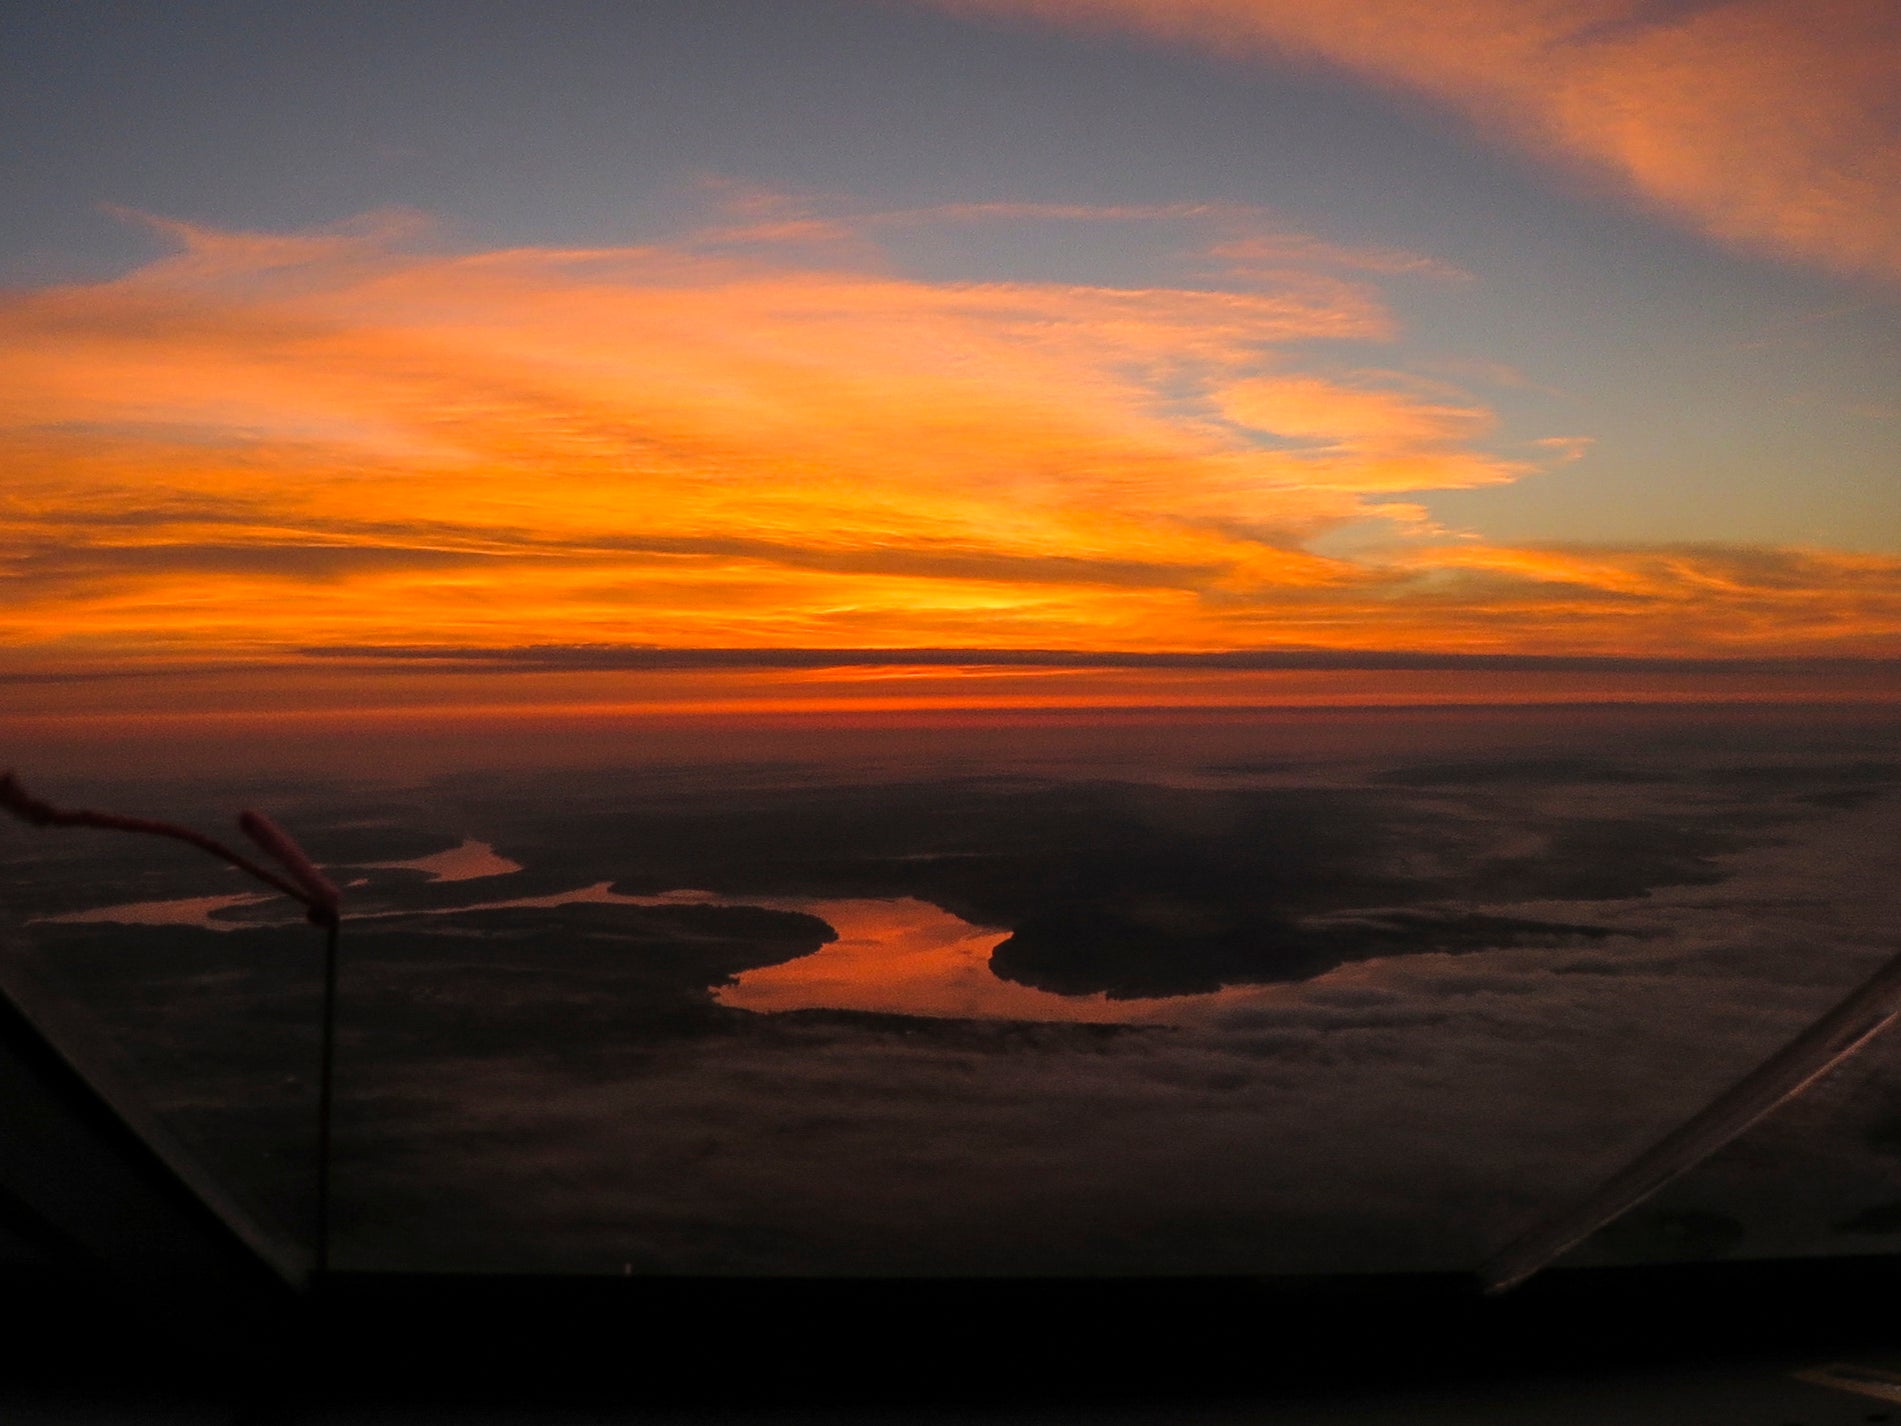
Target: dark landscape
(1316, 1013)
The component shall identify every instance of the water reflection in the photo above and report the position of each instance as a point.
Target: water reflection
(468, 862)
(179, 911)
(909, 957)
(892, 955)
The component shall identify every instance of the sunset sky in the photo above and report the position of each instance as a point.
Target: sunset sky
(493, 354)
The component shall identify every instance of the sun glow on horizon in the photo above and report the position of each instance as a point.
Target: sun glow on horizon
(268, 444)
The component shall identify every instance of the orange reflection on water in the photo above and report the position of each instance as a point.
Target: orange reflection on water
(908, 957)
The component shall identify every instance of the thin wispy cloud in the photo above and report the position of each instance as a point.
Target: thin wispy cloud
(1765, 123)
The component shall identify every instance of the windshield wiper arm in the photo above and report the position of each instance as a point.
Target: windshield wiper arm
(1865, 1013)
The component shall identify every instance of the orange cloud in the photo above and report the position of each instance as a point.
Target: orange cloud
(1371, 437)
(262, 445)
(1718, 599)
(1766, 123)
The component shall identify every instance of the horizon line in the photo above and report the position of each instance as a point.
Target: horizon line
(607, 658)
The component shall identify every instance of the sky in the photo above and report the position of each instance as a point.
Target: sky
(715, 353)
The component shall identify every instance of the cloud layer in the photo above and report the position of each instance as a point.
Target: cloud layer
(267, 443)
